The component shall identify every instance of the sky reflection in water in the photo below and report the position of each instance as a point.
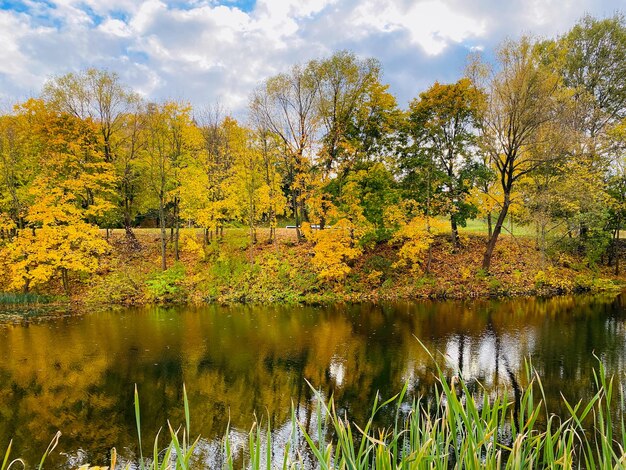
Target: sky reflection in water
(76, 374)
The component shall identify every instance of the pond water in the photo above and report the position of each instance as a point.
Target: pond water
(77, 374)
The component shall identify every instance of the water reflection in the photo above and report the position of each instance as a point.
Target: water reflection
(77, 374)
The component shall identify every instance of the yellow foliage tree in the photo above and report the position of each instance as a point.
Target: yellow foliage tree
(72, 188)
(67, 150)
(171, 144)
(334, 249)
(64, 245)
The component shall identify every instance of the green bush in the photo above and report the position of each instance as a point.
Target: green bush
(166, 286)
(380, 264)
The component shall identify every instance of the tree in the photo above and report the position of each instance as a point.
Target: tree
(358, 115)
(94, 94)
(591, 58)
(63, 244)
(617, 189)
(72, 188)
(16, 172)
(246, 188)
(343, 85)
(443, 124)
(215, 167)
(66, 150)
(99, 96)
(128, 165)
(522, 99)
(172, 139)
(367, 191)
(286, 105)
(274, 200)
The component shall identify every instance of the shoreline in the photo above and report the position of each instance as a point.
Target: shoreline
(282, 274)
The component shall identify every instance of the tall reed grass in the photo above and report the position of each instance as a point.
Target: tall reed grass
(455, 430)
(19, 298)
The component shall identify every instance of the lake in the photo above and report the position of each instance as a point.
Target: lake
(77, 374)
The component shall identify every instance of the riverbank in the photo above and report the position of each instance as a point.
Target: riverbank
(229, 271)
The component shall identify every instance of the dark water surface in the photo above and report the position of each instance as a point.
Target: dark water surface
(77, 374)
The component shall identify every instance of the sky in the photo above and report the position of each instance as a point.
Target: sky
(218, 51)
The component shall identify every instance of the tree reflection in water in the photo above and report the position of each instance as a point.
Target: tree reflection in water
(76, 374)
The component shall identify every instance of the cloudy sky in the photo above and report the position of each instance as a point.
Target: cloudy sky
(218, 50)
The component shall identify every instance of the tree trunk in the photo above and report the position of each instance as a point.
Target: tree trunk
(430, 249)
(491, 244)
(251, 227)
(163, 234)
(489, 225)
(176, 229)
(128, 229)
(617, 234)
(543, 245)
(272, 226)
(65, 279)
(294, 204)
(455, 233)
(429, 260)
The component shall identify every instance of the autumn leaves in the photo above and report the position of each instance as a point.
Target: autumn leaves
(537, 136)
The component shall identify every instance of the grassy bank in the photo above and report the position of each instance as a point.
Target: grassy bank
(454, 430)
(231, 271)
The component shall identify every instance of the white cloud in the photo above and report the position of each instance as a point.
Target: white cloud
(12, 59)
(143, 18)
(431, 24)
(204, 51)
(115, 27)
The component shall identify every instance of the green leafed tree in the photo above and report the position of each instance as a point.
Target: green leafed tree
(443, 125)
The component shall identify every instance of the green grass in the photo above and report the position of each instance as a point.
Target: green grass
(479, 226)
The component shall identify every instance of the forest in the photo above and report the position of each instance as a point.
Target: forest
(106, 195)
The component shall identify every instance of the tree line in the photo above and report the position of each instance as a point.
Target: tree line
(539, 135)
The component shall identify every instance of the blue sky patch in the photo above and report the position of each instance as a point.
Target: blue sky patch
(14, 5)
(243, 5)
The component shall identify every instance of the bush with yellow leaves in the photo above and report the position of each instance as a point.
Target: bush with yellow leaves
(36, 258)
(189, 242)
(417, 236)
(334, 248)
(59, 244)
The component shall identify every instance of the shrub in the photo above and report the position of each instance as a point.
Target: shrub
(118, 288)
(165, 286)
